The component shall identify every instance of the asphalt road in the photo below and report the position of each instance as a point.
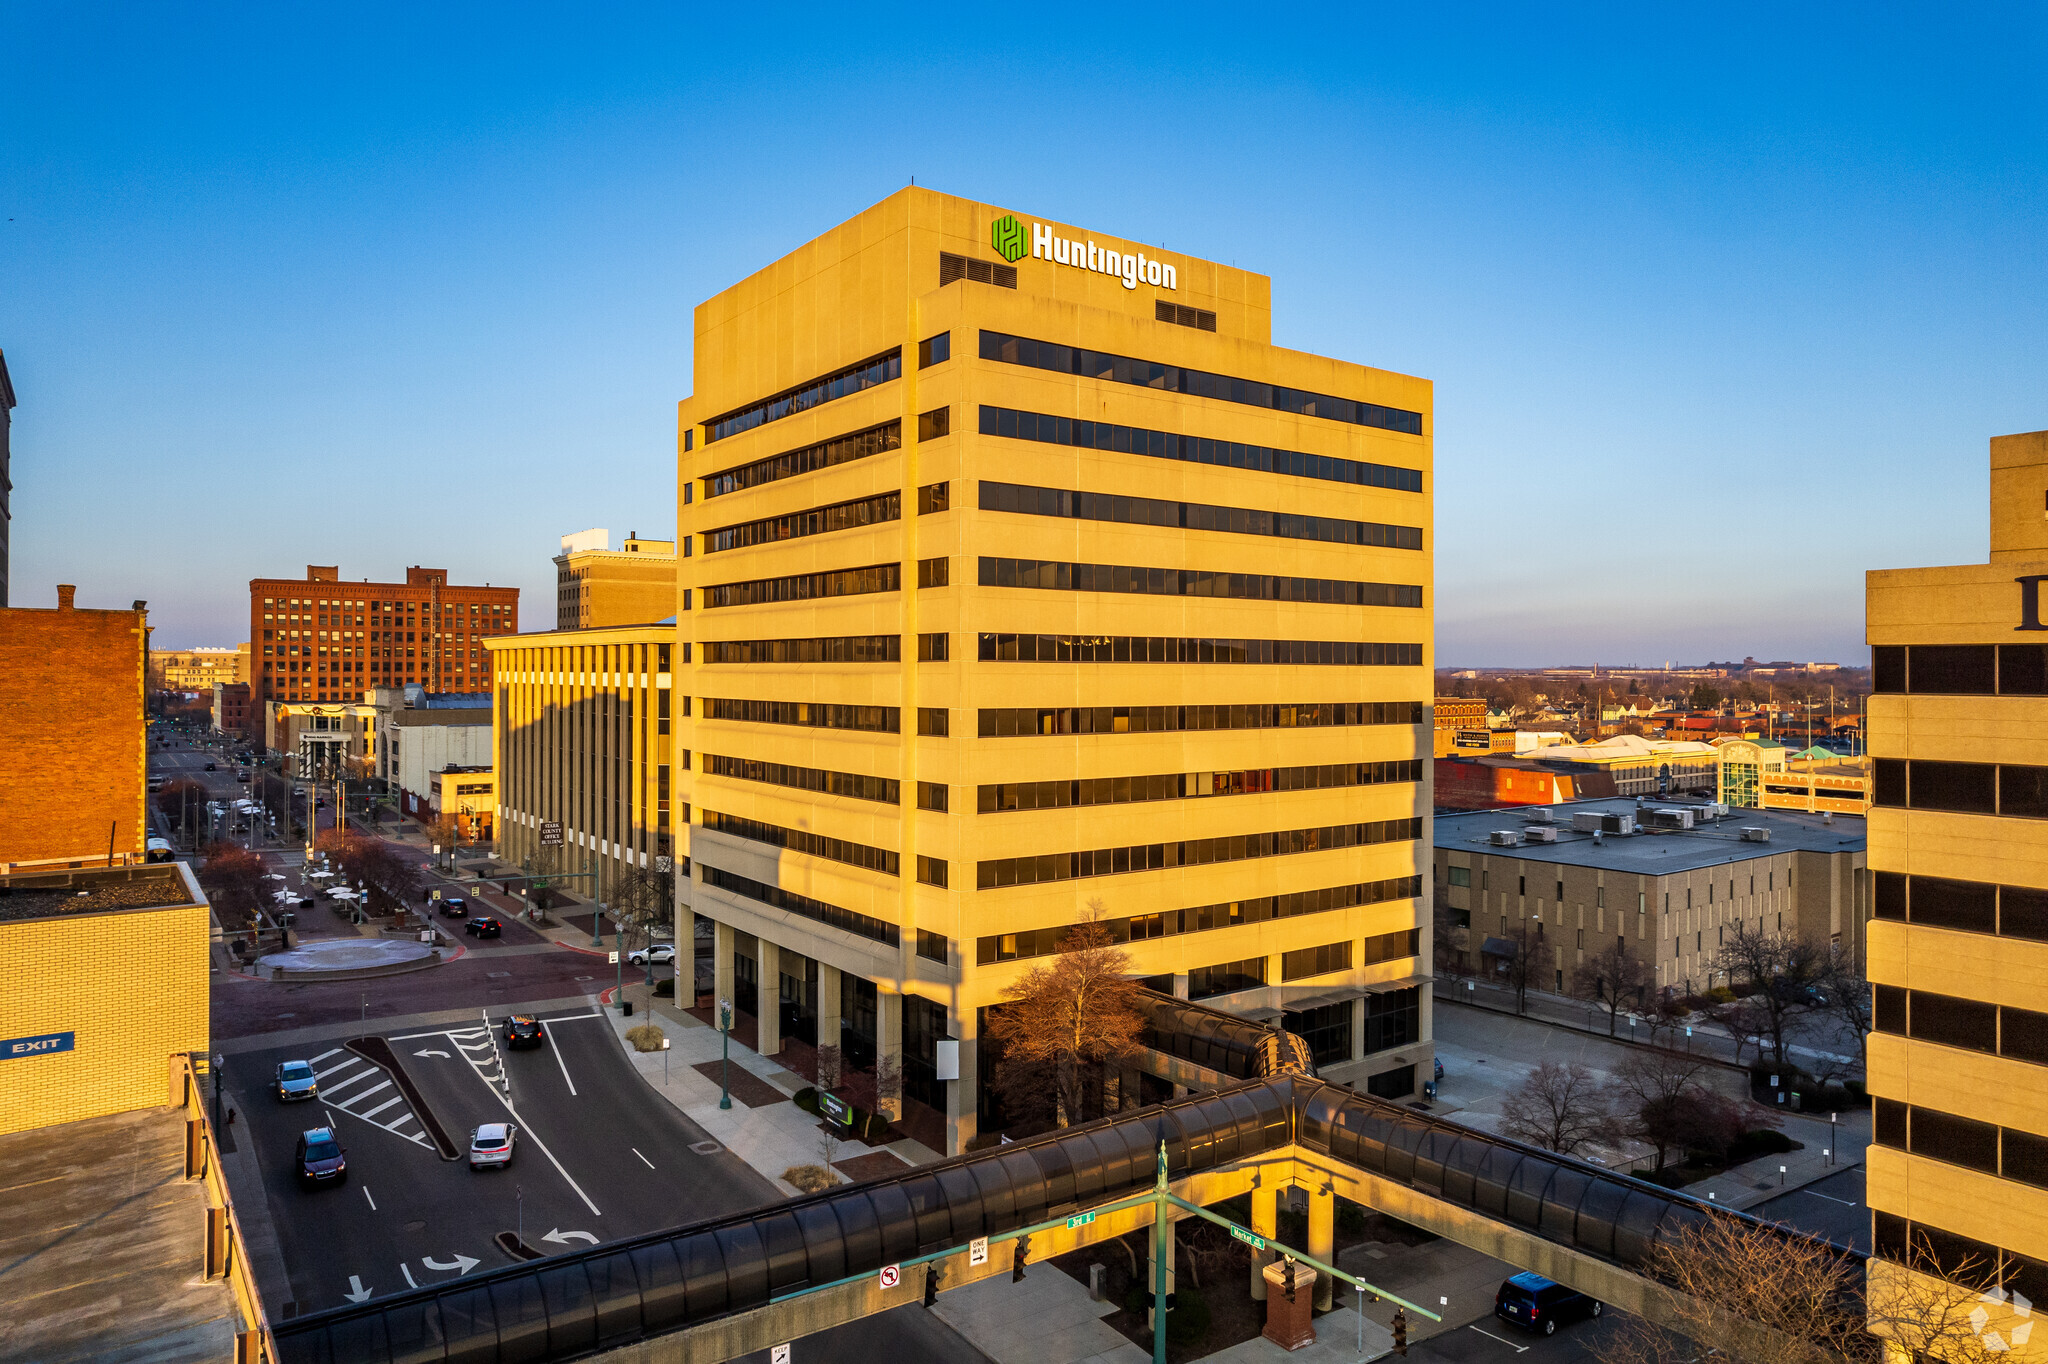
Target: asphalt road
(1495, 1342)
(1831, 1207)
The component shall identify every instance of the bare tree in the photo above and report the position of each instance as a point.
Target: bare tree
(1777, 970)
(1080, 1009)
(233, 878)
(1661, 1093)
(643, 900)
(1747, 1024)
(1560, 1107)
(1614, 979)
(1849, 1001)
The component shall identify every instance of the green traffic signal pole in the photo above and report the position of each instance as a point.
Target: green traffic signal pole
(1160, 1197)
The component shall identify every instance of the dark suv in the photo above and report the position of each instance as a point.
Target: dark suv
(455, 906)
(1535, 1303)
(483, 926)
(321, 1158)
(523, 1030)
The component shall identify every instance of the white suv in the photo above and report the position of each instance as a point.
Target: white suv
(491, 1145)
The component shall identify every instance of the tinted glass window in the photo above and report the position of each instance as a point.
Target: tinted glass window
(1954, 1022)
(2023, 791)
(2023, 913)
(1952, 669)
(322, 1150)
(1888, 895)
(1888, 1123)
(2023, 669)
(1889, 1008)
(1888, 782)
(2023, 1035)
(1888, 668)
(1971, 906)
(2025, 1158)
(1967, 788)
(1959, 1141)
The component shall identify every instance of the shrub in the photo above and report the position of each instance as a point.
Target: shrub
(666, 988)
(809, 1178)
(645, 1037)
(1760, 1141)
(806, 1099)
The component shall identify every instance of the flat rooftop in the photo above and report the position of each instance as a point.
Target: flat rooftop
(103, 1246)
(1655, 853)
(55, 893)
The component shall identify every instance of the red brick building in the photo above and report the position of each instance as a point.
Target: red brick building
(231, 708)
(73, 771)
(321, 639)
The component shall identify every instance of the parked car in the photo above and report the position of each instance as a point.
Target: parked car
(241, 776)
(484, 926)
(524, 1030)
(1535, 1303)
(490, 1146)
(213, 767)
(455, 906)
(295, 1080)
(661, 954)
(322, 1159)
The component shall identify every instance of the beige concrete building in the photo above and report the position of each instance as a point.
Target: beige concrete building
(1959, 942)
(596, 586)
(1031, 575)
(196, 670)
(1565, 879)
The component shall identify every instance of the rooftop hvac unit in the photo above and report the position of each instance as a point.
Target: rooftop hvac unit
(1504, 838)
(1755, 833)
(1714, 810)
(1668, 818)
(1594, 821)
(1543, 833)
(1539, 815)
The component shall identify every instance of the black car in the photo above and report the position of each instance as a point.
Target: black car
(523, 1030)
(1538, 1304)
(213, 767)
(321, 1158)
(455, 907)
(484, 926)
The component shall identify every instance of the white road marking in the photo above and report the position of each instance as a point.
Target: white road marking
(373, 1112)
(358, 1098)
(324, 1055)
(331, 1123)
(336, 1070)
(356, 1291)
(366, 1194)
(528, 1132)
(643, 1160)
(558, 1058)
(370, 1073)
(1830, 1198)
(1518, 1349)
(571, 1018)
(430, 1052)
(406, 1270)
(463, 1263)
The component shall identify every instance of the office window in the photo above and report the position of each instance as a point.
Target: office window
(1316, 961)
(1888, 896)
(1226, 978)
(931, 946)
(845, 582)
(838, 384)
(2023, 669)
(2022, 1033)
(935, 423)
(2024, 1157)
(1045, 795)
(1953, 1022)
(1888, 1009)
(1058, 720)
(1952, 669)
(802, 841)
(1959, 1141)
(1026, 871)
(802, 905)
(1181, 650)
(1327, 1031)
(1025, 499)
(807, 459)
(1392, 1019)
(933, 497)
(931, 795)
(1460, 876)
(1968, 906)
(2023, 913)
(825, 782)
(1053, 576)
(870, 719)
(837, 516)
(932, 648)
(932, 722)
(1888, 1123)
(931, 871)
(2022, 791)
(1969, 788)
(839, 649)
(1404, 942)
(934, 572)
(935, 350)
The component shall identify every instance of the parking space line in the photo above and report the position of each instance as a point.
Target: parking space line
(643, 1160)
(557, 1050)
(323, 1056)
(1518, 1349)
(373, 1112)
(369, 1073)
(358, 1098)
(336, 1070)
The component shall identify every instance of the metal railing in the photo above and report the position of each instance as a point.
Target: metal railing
(227, 1253)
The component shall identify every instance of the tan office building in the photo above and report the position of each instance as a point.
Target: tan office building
(1959, 942)
(1029, 573)
(596, 586)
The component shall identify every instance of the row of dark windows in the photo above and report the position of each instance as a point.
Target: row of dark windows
(1971, 1024)
(844, 582)
(803, 841)
(849, 515)
(809, 714)
(952, 267)
(1015, 722)
(1195, 852)
(1982, 1146)
(1961, 788)
(1047, 429)
(803, 906)
(1028, 500)
(1049, 575)
(1960, 669)
(1402, 942)
(838, 384)
(1326, 1030)
(1966, 906)
(1319, 960)
(1393, 1018)
(1043, 942)
(1089, 364)
(1226, 978)
(809, 459)
(830, 649)
(1337, 653)
(821, 780)
(1183, 316)
(1932, 1250)
(1056, 795)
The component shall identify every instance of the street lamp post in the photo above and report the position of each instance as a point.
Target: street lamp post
(725, 1059)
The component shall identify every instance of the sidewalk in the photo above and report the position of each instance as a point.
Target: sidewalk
(1709, 1039)
(1047, 1319)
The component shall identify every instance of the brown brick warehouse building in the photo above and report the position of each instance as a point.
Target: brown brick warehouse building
(321, 639)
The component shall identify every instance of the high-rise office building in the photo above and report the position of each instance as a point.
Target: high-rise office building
(1958, 943)
(1033, 581)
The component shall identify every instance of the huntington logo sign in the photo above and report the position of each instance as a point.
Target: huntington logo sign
(1006, 235)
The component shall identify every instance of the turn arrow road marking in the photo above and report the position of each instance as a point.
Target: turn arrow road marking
(441, 1054)
(563, 1238)
(356, 1291)
(462, 1264)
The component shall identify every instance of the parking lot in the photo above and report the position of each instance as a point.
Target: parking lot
(598, 1156)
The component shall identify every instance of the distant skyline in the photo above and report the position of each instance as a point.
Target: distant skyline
(1721, 309)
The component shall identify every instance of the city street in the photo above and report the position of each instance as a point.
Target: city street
(1831, 1207)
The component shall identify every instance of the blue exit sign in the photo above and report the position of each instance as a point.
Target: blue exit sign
(42, 1045)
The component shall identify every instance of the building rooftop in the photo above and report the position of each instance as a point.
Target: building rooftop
(55, 893)
(1658, 852)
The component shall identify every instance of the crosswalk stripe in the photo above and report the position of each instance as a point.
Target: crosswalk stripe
(336, 1051)
(356, 1079)
(336, 1070)
(388, 1103)
(358, 1098)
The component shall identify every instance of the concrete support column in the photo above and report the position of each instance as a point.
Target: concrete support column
(1180, 985)
(1266, 1223)
(722, 946)
(1152, 1269)
(1358, 1029)
(768, 1025)
(829, 1023)
(889, 1048)
(963, 1113)
(1322, 1240)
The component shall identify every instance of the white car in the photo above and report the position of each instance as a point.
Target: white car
(491, 1145)
(662, 954)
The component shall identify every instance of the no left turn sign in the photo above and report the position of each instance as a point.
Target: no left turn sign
(892, 1275)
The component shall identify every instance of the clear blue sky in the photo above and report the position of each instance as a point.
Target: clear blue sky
(1721, 305)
